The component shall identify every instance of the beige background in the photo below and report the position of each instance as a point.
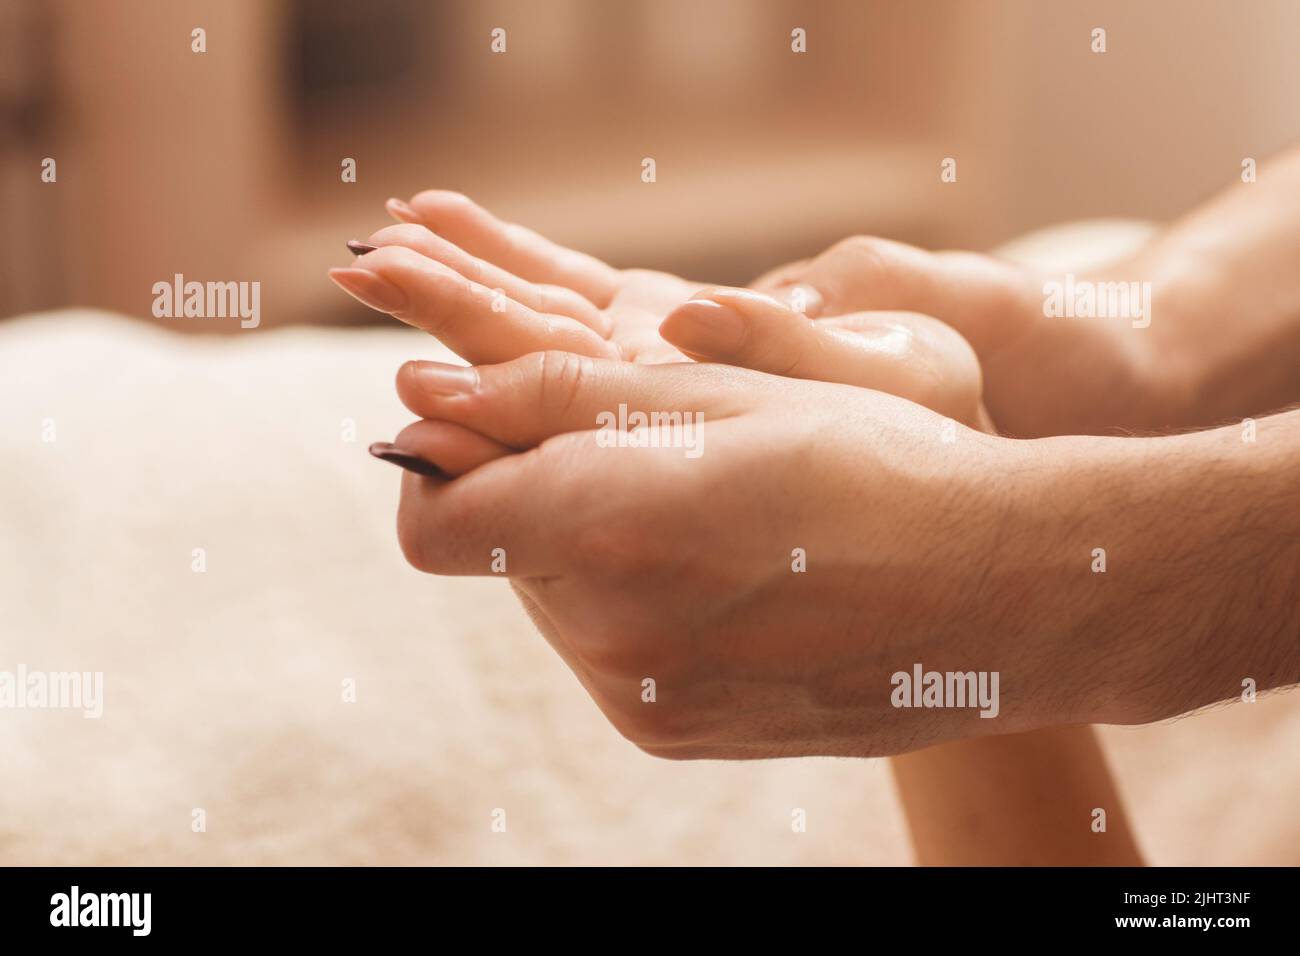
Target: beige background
(225, 165)
(223, 688)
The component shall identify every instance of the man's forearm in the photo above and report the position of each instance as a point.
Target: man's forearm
(1183, 582)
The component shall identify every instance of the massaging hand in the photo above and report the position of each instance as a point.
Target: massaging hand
(666, 573)
(974, 554)
(941, 370)
(924, 361)
(1223, 339)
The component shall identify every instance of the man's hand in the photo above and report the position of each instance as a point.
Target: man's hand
(1043, 376)
(903, 353)
(970, 554)
(1221, 339)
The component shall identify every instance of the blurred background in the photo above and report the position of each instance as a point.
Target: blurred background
(223, 687)
(225, 165)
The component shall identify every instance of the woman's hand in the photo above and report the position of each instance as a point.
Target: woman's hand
(492, 291)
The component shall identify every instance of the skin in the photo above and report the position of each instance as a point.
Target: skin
(1020, 799)
(1056, 755)
(1015, 800)
(752, 660)
(492, 291)
(1229, 264)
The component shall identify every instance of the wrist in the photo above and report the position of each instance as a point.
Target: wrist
(1169, 569)
(1084, 363)
(1224, 340)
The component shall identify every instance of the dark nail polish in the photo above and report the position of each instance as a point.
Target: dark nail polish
(358, 248)
(403, 459)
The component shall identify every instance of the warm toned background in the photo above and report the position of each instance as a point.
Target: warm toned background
(225, 165)
(222, 688)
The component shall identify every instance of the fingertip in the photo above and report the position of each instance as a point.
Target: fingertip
(749, 302)
(435, 207)
(406, 373)
(370, 288)
(401, 211)
(440, 197)
(705, 327)
(453, 448)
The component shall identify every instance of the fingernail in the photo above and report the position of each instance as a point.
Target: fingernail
(370, 288)
(387, 451)
(705, 326)
(401, 211)
(359, 248)
(442, 379)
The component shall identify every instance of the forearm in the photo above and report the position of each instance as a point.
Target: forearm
(1225, 331)
(1199, 538)
(1028, 799)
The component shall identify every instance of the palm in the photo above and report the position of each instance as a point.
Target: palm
(641, 302)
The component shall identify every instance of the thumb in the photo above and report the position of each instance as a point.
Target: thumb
(906, 354)
(988, 301)
(523, 402)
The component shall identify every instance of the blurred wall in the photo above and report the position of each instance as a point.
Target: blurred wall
(225, 165)
(1185, 91)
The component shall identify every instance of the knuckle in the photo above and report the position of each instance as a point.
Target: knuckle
(864, 252)
(558, 299)
(561, 377)
(870, 268)
(438, 294)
